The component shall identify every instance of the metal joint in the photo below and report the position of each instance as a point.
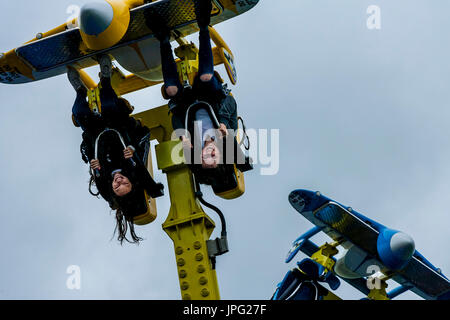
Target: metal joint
(217, 247)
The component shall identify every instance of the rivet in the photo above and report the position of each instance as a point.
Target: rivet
(184, 286)
(201, 269)
(179, 250)
(318, 193)
(187, 297)
(183, 274)
(181, 262)
(203, 281)
(205, 293)
(39, 36)
(2, 55)
(199, 257)
(197, 245)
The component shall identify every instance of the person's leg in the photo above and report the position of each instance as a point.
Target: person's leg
(110, 104)
(206, 62)
(108, 96)
(80, 110)
(172, 82)
(208, 81)
(205, 78)
(158, 26)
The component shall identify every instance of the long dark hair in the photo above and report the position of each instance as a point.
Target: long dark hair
(129, 206)
(123, 223)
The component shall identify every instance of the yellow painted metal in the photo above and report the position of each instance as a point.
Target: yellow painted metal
(54, 31)
(94, 100)
(324, 256)
(10, 62)
(116, 30)
(187, 224)
(223, 53)
(127, 84)
(187, 65)
(152, 212)
(87, 80)
(236, 192)
(331, 296)
(379, 292)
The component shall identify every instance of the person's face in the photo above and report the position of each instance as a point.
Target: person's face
(210, 155)
(121, 185)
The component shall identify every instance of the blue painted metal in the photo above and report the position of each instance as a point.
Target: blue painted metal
(398, 291)
(337, 221)
(297, 244)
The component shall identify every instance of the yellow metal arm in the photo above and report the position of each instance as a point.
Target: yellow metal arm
(187, 224)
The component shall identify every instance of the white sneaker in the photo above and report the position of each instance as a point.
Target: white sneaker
(105, 66)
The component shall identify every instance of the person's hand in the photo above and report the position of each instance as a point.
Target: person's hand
(186, 142)
(95, 164)
(223, 130)
(128, 152)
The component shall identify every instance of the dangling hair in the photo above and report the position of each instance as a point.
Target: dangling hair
(124, 223)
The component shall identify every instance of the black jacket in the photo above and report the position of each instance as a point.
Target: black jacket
(111, 158)
(223, 103)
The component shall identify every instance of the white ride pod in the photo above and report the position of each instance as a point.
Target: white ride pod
(142, 59)
(356, 264)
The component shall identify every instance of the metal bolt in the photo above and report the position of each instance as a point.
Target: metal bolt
(205, 293)
(184, 286)
(318, 193)
(199, 257)
(39, 36)
(179, 251)
(197, 245)
(201, 269)
(203, 281)
(187, 297)
(350, 209)
(181, 262)
(183, 274)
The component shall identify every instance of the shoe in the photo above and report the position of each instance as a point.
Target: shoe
(157, 25)
(105, 66)
(203, 10)
(74, 78)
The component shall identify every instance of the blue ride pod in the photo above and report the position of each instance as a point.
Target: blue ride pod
(395, 248)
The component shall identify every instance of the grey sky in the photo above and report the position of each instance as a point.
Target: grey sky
(363, 117)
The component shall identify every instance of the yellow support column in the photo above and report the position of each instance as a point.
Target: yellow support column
(187, 224)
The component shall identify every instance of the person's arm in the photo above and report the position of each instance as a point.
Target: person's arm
(178, 119)
(153, 188)
(87, 148)
(227, 114)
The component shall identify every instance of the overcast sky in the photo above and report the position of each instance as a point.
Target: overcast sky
(363, 117)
